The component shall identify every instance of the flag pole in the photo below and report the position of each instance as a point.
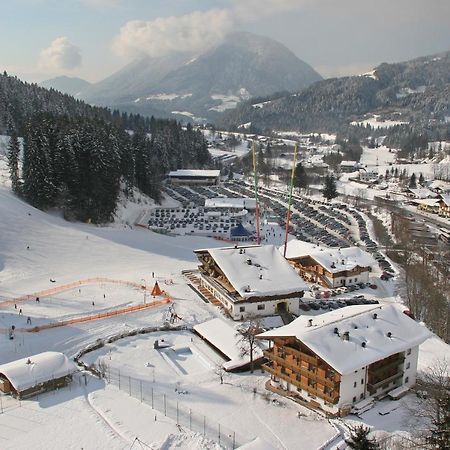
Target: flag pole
(258, 238)
(288, 217)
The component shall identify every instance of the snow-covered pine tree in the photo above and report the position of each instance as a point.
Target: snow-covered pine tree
(13, 161)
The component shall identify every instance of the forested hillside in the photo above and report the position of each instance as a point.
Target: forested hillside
(79, 157)
(417, 92)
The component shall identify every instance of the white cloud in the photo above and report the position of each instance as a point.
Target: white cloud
(60, 55)
(248, 10)
(191, 32)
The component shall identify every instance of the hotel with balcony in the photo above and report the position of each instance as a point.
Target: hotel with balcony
(341, 359)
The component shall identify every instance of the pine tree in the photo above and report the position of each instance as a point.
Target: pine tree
(421, 179)
(329, 189)
(13, 161)
(359, 439)
(301, 178)
(413, 182)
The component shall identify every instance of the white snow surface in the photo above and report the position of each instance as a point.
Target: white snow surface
(347, 356)
(33, 370)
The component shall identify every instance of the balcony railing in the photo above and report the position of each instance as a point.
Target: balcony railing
(301, 355)
(390, 365)
(374, 386)
(298, 369)
(333, 398)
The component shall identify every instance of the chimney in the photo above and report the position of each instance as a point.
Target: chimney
(260, 277)
(342, 262)
(346, 336)
(240, 251)
(389, 334)
(336, 331)
(249, 262)
(363, 345)
(375, 316)
(310, 321)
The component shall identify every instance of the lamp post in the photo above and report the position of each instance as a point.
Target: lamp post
(145, 289)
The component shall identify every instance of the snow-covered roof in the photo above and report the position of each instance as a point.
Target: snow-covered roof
(225, 202)
(28, 372)
(257, 271)
(445, 198)
(194, 173)
(349, 163)
(422, 193)
(362, 326)
(226, 339)
(439, 184)
(332, 259)
(426, 201)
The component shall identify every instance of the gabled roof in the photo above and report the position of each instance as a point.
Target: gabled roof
(257, 271)
(28, 372)
(227, 340)
(240, 231)
(445, 198)
(346, 356)
(332, 259)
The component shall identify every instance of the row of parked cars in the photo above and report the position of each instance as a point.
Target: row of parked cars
(335, 304)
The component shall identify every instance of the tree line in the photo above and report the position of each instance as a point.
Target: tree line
(81, 165)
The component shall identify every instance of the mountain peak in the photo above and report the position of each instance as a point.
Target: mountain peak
(242, 65)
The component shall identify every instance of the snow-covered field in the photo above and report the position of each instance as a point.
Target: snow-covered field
(36, 247)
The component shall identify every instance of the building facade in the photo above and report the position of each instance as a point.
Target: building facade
(336, 363)
(250, 281)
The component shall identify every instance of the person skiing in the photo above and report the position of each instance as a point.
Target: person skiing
(28, 320)
(20, 311)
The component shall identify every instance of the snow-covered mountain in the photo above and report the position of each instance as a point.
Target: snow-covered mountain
(242, 66)
(66, 85)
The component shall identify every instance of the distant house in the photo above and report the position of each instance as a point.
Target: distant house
(330, 267)
(194, 177)
(427, 204)
(250, 280)
(368, 176)
(38, 373)
(444, 205)
(349, 166)
(343, 359)
(439, 186)
(421, 193)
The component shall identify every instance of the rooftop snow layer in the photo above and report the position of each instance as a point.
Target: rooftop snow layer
(194, 173)
(258, 271)
(332, 259)
(225, 338)
(225, 202)
(28, 372)
(347, 356)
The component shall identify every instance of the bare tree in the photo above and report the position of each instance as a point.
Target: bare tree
(433, 406)
(220, 371)
(247, 338)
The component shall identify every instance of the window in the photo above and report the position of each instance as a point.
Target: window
(356, 279)
(362, 380)
(354, 399)
(354, 384)
(406, 379)
(361, 396)
(408, 365)
(241, 308)
(261, 307)
(408, 352)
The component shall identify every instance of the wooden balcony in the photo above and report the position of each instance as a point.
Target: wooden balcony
(298, 369)
(333, 397)
(372, 387)
(389, 365)
(300, 355)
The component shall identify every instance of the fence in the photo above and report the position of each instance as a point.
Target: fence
(66, 287)
(177, 408)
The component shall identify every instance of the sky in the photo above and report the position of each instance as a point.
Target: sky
(92, 39)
